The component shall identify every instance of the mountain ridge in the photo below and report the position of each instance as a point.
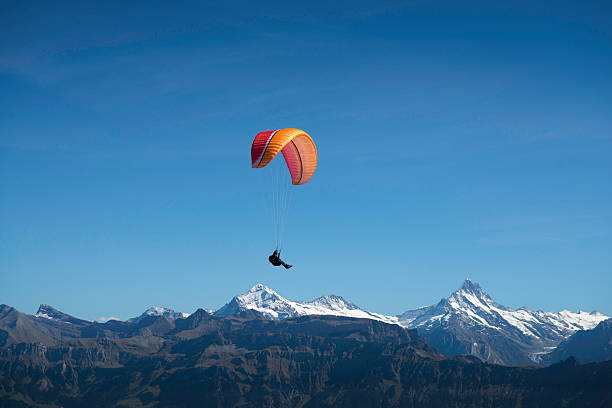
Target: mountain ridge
(247, 359)
(272, 305)
(469, 321)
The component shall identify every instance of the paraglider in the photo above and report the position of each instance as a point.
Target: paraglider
(300, 154)
(276, 261)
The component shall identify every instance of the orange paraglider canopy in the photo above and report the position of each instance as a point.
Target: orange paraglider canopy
(298, 149)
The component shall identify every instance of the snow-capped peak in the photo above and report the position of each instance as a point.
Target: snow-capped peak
(472, 288)
(582, 320)
(334, 302)
(260, 287)
(273, 306)
(471, 310)
(470, 297)
(261, 299)
(160, 311)
(48, 312)
(259, 294)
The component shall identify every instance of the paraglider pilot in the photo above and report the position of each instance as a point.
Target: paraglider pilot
(276, 261)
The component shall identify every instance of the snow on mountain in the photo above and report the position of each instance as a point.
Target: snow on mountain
(586, 345)
(469, 321)
(476, 306)
(49, 312)
(104, 319)
(273, 306)
(46, 311)
(160, 311)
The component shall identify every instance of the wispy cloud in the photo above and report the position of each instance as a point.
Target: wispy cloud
(106, 319)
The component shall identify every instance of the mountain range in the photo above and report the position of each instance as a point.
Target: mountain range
(468, 322)
(273, 306)
(248, 359)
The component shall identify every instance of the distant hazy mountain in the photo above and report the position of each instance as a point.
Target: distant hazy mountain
(159, 311)
(470, 322)
(586, 345)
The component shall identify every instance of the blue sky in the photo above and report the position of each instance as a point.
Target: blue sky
(454, 141)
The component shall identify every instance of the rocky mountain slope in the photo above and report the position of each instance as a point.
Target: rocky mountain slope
(586, 345)
(246, 359)
(48, 312)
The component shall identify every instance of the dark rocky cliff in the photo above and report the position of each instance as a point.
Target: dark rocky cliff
(245, 360)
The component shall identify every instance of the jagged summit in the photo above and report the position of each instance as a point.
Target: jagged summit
(261, 299)
(334, 302)
(470, 297)
(469, 286)
(49, 312)
(260, 287)
(160, 311)
(469, 321)
(261, 292)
